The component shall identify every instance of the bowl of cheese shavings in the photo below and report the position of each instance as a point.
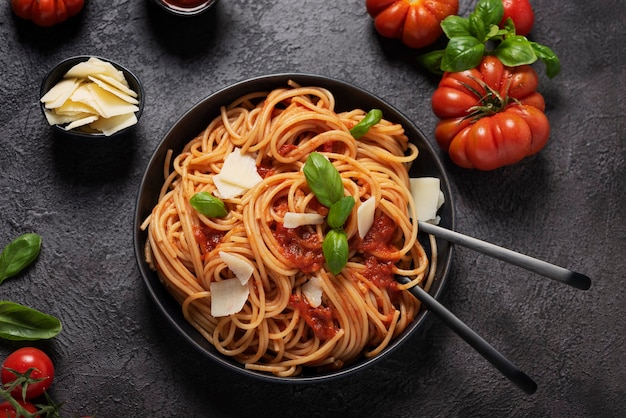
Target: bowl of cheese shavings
(91, 97)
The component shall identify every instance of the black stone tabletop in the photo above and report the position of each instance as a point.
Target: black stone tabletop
(116, 355)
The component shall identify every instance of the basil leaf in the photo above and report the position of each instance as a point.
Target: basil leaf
(549, 58)
(462, 53)
(490, 11)
(21, 323)
(18, 254)
(431, 61)
(514, 51)
(208, 205)
(323, 179)
(370, 119)
(339, 212)
(454, 26)
(336, 250)
(477, 27)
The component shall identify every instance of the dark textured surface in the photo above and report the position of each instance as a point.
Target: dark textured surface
(567, 205)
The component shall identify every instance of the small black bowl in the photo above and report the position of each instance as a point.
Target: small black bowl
(199, 8)
(57, 73)
(347, 96)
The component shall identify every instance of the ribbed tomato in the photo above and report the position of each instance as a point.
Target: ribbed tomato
(415, 22)
(47, 12)
(491, 115)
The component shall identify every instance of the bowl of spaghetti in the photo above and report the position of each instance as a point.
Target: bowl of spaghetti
(232, 239)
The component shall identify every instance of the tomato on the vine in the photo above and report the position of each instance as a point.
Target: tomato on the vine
(47, 12)
(32, 368)
(521, 12)
(7, 410)
(416, 22)
(491, 115)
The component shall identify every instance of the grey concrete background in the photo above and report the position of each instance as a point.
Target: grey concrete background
(117, 358)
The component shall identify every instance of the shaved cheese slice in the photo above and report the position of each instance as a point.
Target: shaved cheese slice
(113, 90)
(428, 198)
(54, 118)
(228, 297)
(81, 122)
(108, 126)
(365, 216)
(294, 220)
(121, 86)
(59, 93)
(238, 174)
(238, 265)
(95, 66)
(109, 104)
(313, 291)
(70, 107)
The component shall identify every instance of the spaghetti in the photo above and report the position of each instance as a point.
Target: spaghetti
(279, 329)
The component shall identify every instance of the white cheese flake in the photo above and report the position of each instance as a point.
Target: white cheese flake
(238, 265)
(365, 216)
(313, 291)
(239, 174)
(294, 219)
(428, 198)
(228, 297)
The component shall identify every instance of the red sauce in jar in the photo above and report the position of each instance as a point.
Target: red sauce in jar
(186, 4)
(320, 319)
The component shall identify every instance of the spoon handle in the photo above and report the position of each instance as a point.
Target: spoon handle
(571, 278)
(499, 361)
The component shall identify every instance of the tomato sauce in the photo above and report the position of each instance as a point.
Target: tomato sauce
(207, 238)
(301, 246)
(320, 319)
(379, 270)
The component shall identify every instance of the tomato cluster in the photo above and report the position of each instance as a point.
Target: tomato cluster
(27, 373)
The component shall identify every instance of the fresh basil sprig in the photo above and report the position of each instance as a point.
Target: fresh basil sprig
(469, 39)
(370, 119)
(21, 323)
(325, 182)
(208, 205)
(18, 254)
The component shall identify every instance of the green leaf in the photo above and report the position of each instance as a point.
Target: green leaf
(462, 53)
(431, 61)
(490, 11)
(514, 51)
(455, 25)
(477, 27)
(370, 119)
(208, 205)
(21, 323)
(549, 58)
(18, 254)
(323, 179)
(339, 212)
(336, 250)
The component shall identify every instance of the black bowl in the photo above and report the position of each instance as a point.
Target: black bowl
(57, 73)
(185, 11)
(347, 97)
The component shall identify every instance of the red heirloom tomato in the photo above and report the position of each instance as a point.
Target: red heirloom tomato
(415, 22)
(47, 12)
(20, 361)
(521, 12)
(7, 410)
(491, 115)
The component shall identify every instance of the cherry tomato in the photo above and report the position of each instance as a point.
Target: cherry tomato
(47, 12)
(415, 22)
(20, 361)
(7, 410)
(491, 115)
(521, 12)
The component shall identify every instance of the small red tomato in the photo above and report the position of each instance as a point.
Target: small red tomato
(521, 12)
(7, 410)
(416, 22)
(20, 361)
(47, 12)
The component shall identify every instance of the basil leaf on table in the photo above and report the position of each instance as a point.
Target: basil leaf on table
(515, 50)
(339, 212)
(549, 58)
(323, 179)
(336, 250)
(370, 119)
(21, 323)
(208, 205)
(18, 254)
